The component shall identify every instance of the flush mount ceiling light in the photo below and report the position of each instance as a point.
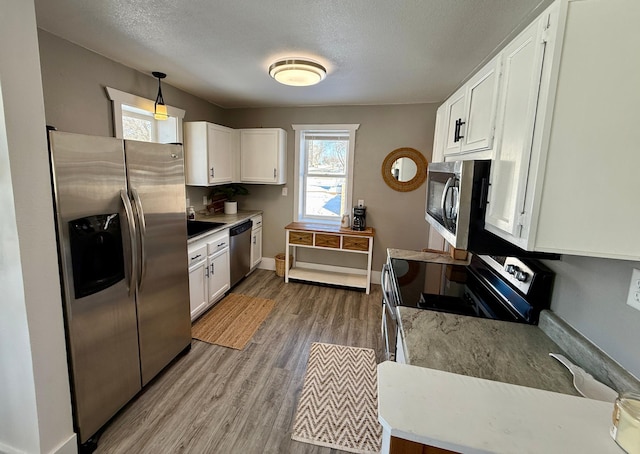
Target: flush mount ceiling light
(297, 72)
(159, 108)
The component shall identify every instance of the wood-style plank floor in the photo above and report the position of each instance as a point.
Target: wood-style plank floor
(218, 400)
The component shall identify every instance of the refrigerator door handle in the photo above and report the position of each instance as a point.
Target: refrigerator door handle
(132, 239)
(143, 233)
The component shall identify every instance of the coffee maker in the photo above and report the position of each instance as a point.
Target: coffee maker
(359, 218)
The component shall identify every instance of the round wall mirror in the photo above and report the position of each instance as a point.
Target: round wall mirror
(404, 169)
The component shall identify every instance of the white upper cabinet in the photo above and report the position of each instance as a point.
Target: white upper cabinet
(471, 113)
(521, 73)
(480, 108)
(567, 181)
(454, 112)
(209, 153)
(437, 155)
(263, 155)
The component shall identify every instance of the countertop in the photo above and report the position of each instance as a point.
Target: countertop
(475, 385)
(508, 352)
(472, 415)
(230, 220)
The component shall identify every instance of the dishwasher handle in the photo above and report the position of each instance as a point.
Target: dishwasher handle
(238, 229)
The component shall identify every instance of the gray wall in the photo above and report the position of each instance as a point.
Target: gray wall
(397, 217)
(74, 81)
(590, 294)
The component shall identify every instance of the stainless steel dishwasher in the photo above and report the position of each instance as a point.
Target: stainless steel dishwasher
(240, 251)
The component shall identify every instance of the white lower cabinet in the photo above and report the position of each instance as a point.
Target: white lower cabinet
(209, 277)
(198, 287)
(256, 241)
(218, 275)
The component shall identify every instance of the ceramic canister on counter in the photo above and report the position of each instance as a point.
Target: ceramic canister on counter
(626, 422)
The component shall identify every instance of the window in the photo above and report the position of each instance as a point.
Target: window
(324, 171)
(133, 119)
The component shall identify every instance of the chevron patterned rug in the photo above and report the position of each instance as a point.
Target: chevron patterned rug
(338, 406)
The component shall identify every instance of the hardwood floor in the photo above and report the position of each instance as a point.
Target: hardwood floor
(218, 400)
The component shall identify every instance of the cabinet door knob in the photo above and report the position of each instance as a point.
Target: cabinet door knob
(212, 173)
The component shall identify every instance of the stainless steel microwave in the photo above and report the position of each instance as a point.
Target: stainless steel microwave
(456, 198)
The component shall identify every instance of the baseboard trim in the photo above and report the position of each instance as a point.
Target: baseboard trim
(68, 447)
(267, 264)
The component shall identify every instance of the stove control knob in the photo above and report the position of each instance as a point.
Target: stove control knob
(511, 269)
(521, 276)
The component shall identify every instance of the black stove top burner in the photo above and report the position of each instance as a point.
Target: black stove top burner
(482, 289)
(444, 303)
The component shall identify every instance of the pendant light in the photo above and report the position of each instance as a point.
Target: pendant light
(297, 72)
(159, 108)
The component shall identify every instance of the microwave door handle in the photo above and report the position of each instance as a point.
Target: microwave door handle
(443, 204)
(131, 227)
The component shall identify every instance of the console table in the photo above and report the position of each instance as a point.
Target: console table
(327, 237)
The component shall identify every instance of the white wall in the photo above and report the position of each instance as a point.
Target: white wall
(35, 408)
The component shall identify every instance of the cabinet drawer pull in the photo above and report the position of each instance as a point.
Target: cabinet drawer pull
(212, 173)
(457, 136)
(196, 256)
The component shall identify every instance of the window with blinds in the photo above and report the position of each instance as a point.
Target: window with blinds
(325, 161)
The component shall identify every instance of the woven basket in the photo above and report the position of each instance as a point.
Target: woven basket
(280, 259)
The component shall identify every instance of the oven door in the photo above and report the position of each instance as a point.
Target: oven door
(389, 327)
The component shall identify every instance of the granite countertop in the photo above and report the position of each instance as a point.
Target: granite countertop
(229, 220)
(508, 352)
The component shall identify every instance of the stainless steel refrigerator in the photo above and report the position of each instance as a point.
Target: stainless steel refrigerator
(121, 226)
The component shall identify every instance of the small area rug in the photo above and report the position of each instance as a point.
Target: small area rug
(233, 321)
(338, 405)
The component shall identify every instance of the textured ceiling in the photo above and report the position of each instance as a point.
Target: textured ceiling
(376, 51)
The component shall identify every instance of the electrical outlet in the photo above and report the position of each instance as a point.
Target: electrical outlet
(360, 202)
(285, 191)
(205, 202)
(633, 299)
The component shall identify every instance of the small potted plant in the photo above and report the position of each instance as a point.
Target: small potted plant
(230, 191)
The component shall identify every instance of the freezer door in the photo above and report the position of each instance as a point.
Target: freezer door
(95, 257)
(156, 185)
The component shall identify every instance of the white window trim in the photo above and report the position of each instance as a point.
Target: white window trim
(299, 167)
(119, 98)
